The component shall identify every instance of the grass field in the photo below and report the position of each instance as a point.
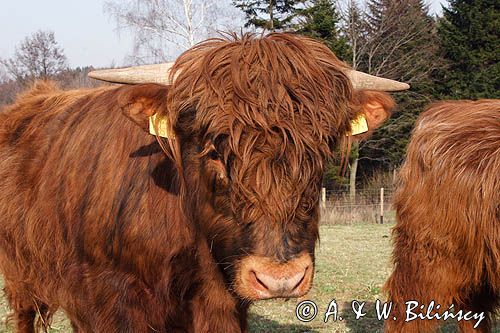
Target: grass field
(352, 264)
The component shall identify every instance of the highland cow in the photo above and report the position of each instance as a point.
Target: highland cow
(447, 236)
(129, 232)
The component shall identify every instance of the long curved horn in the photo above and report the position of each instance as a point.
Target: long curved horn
(160, 74)
(362, 80)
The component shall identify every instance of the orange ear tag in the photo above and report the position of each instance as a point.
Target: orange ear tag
(159, 126)
(359, 125)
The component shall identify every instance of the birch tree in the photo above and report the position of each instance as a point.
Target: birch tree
(3, 75)
(164, 28)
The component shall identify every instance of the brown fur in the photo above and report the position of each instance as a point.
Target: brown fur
(96, 220)
(447, 237)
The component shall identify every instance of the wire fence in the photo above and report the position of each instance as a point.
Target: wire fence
(367, 205)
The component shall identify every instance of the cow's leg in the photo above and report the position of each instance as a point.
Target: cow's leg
(24, 308)
(214, 308)
(75, 327)
(25, 320)
(402, 288)
(483, 302)
(243, 312)
(215, 312)
(111, 301)
(420, 277)
(130, 316)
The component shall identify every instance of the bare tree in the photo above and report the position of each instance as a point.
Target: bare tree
(400, 40)
(38, 56)
(394, 39)
(353, 30)
(3, 75)
(164, 28)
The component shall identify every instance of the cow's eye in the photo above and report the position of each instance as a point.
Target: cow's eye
(213, 155)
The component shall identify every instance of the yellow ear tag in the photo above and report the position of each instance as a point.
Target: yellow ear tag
(359, 125)
(161, 125)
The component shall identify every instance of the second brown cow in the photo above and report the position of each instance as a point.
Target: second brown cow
(447, 237)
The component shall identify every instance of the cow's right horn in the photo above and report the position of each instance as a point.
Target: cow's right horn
(158, 73)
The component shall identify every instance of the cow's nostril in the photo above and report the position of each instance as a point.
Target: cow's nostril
(302, 279)
(259, 281)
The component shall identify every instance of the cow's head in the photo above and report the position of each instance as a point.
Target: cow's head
(252, 122)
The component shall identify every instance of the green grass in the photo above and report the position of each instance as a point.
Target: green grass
(352, 263)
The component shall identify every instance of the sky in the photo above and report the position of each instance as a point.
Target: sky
(86, 33)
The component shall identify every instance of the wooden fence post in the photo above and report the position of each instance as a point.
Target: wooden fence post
(323, 197)
(381, 205)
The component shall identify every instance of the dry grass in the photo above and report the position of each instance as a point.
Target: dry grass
(340, 208)
(352, 264)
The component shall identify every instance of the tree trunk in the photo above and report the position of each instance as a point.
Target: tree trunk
(271, 18)
(352, 180)
(353, 172)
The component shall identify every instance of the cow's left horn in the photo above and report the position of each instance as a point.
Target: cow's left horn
(158, 73)
(362, 80)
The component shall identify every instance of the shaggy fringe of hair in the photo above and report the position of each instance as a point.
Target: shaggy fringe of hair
(248, 90)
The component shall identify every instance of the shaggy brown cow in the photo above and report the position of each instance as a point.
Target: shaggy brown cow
(447, 236)
(96, 220)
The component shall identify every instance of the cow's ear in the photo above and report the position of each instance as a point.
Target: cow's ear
(139, 102)
(377, 107)
(376, 114)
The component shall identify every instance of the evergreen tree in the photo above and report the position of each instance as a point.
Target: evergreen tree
(269, 14)
(469, 34)
(320, 20)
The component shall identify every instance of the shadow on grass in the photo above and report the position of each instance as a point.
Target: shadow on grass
(370, 323)
(367, 323)
(260, 324)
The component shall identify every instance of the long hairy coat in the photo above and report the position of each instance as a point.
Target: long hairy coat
(447, 236)
(95, 218)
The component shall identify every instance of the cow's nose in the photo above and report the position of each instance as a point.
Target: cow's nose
(279, 285)
(265, 278)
